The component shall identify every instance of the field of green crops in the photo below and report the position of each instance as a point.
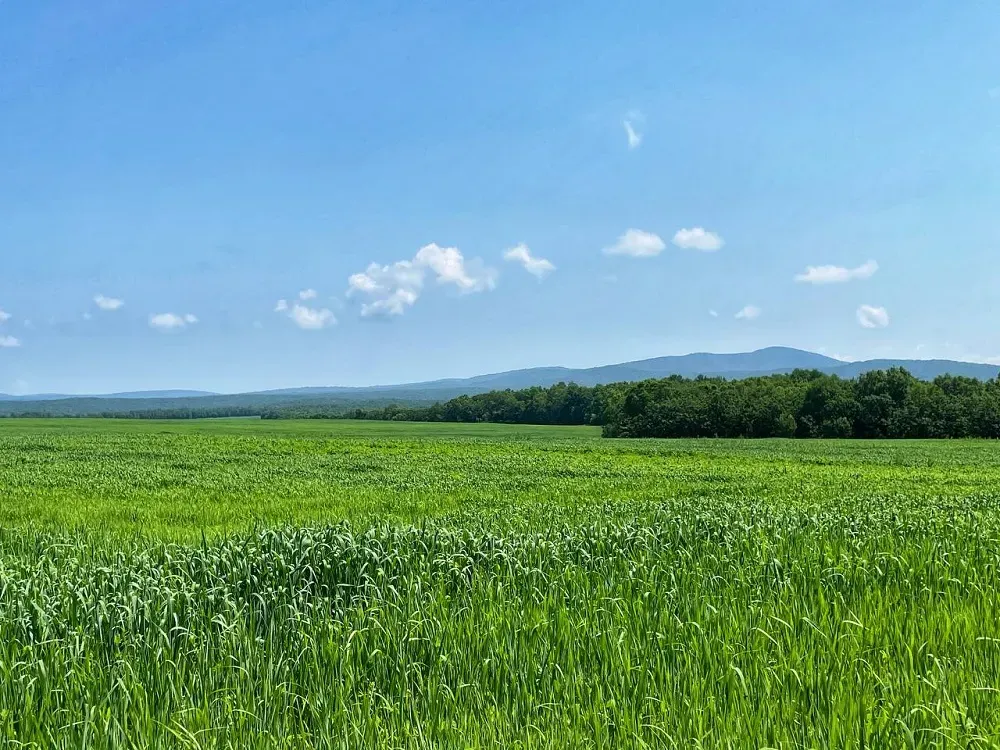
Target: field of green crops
(248, 584)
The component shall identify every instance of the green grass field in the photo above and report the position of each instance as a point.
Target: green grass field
(238, 583)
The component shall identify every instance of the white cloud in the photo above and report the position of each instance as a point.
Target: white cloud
(87, 316)
(394, 303)
(171, 321)
(713, 313)
(836, 274)
(638, 244)
(108, 303)
(698, 239)
(390, 290)
(367, 281)
(750, 312)
(308, 318)
(9, 342)
(311, 319)
(535, 266)
(872, 317)
(450, 267)
(4, 316)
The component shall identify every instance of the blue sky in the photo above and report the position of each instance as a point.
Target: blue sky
(319, 193)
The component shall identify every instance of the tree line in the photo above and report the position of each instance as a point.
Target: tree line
(181, 412)
(560, 404)
(202, 407)
(804, 404)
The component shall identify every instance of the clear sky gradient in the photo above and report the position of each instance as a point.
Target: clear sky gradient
(329, 193)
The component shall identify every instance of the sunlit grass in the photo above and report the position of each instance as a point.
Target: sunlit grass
(246, 584)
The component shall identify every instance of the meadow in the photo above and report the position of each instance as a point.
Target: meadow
(246, 583)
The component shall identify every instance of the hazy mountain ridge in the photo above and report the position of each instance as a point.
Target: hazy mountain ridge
(769, 361)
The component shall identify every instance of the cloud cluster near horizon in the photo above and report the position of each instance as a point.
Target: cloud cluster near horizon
(392, 289)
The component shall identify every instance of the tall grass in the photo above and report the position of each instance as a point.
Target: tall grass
(735, 625)
(747, 595)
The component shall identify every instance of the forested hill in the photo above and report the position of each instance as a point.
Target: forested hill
(806, 403)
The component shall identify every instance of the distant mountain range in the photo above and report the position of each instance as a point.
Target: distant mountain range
(770, 361)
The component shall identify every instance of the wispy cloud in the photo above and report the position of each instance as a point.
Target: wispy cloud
(171, 321)
(995, 93)
(713, 313)
(108, 303)
(390, 290)
(872, 317)
(307, 294)
(835, 355)
(698, 239)
(539, 267)
(638, 244)
(632, 122)
(634, 139)
(750, 312)
(4, 316)
(836, 274)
